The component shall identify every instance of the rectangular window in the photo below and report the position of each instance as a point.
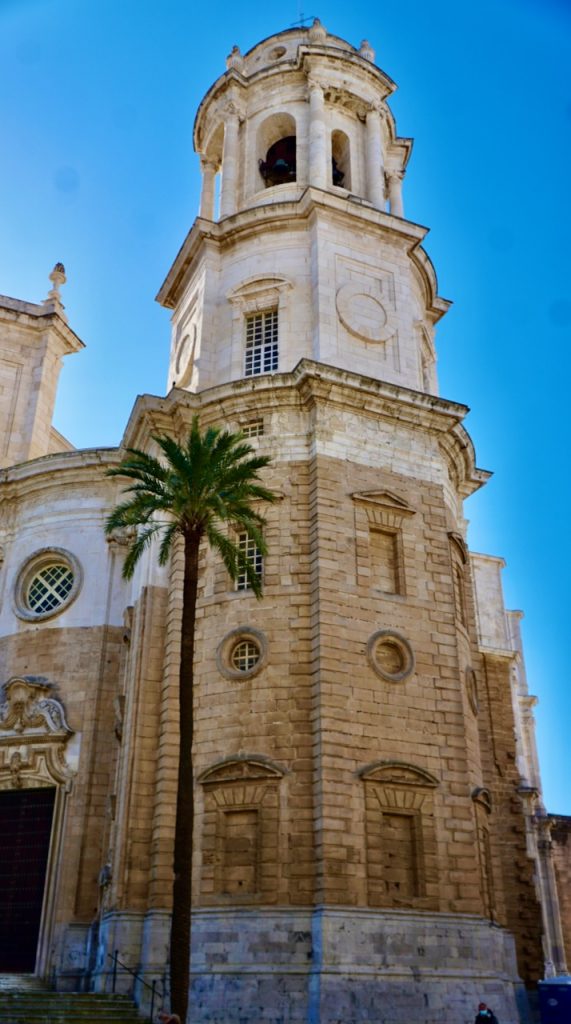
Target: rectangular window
(255, 428)
(399, 855)
(250, 549)
(261, 343)
(240, 852)
(385, 563)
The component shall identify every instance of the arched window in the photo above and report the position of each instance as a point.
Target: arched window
(277, 143)
(340, 160)
(459, 561)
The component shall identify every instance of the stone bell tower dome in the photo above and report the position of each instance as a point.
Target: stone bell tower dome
(307, 152)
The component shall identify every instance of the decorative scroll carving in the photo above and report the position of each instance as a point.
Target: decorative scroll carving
(34, 734)
(26, 707)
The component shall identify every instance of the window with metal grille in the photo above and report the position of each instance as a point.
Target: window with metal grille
(250, 549)
(49, 588)
(245, 656)
(255, 428)
(261, 343)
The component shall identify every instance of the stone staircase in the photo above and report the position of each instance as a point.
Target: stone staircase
(32, 1004)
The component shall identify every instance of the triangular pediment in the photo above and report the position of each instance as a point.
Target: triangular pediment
(384, 499)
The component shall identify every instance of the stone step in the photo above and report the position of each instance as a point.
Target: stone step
(66, 1008)
(21, 983)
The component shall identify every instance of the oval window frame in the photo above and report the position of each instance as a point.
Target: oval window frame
(39, 560)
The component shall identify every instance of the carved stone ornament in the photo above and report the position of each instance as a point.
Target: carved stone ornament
(398, 773)
(34, 734)
(362, 312)
(242, 768)
(27, 708)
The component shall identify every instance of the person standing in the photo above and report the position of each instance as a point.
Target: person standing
(485, 1015)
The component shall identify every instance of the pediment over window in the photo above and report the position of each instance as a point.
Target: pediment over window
(258, 293)
(29, 709)
(398, 773)
(385, 500)
(242, 769)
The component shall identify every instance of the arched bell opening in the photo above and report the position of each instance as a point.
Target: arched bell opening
(340, 160)
(277, 141)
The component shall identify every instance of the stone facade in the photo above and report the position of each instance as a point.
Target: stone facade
(370, 841)
(561, 849)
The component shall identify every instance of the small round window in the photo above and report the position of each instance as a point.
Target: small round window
(47, 584)
(242, 653)
(245, 656)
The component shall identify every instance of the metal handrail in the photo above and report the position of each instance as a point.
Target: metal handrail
(114, 957)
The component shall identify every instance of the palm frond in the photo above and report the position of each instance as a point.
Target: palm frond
(205, 483)
(141, 543)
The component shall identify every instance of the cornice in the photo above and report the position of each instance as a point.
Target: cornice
(311, 383)
(297, 212)
(498, 654)
(55, 471)
(40, 317)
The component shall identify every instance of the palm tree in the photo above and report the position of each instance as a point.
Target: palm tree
(195, 492)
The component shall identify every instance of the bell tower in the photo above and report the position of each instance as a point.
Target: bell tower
(358, 807)
(304, 147)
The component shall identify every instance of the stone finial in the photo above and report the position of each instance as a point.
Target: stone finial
(317, 33)
(235, 59)
(366, 50)
(57, 277)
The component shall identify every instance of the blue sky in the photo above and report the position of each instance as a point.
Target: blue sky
(97, 102)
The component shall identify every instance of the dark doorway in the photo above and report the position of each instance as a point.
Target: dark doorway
(25, 830)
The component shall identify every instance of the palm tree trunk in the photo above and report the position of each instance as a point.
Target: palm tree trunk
(182, 886)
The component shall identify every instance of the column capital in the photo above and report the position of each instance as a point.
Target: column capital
(231, 109)
(206, 164)
(394, 175)
(376, 107)
(314, 84)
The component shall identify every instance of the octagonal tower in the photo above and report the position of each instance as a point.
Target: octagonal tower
(307, 152)
(359, 807)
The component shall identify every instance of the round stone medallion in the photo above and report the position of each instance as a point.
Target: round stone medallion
(361, 311)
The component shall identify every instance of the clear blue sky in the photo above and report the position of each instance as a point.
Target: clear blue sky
(97, 102)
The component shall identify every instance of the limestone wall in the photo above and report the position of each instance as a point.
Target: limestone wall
(561, 847)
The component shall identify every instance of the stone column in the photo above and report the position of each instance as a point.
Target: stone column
(317, 137)
(207, 195)
(228, 198)
(554, 945)
(395, 193)
(374, 158)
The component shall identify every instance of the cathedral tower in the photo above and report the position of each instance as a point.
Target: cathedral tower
(369, 839)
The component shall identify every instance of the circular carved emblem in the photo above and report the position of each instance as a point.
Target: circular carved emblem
(185, 357)
(361, 311)
(390, 655)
